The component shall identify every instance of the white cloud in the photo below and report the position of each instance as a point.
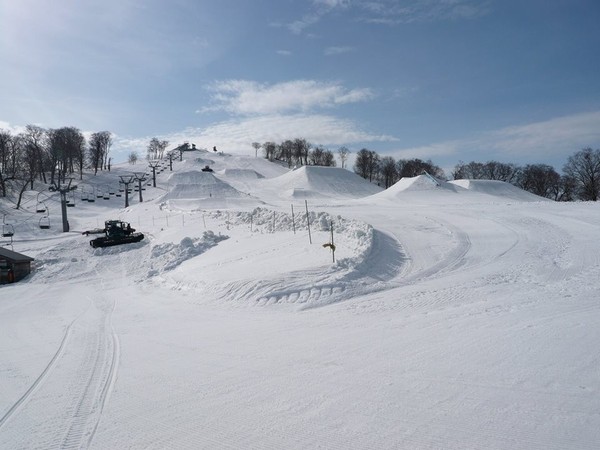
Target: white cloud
(329, 51)
(391, 12)
(248, 97)
(320, 9)
(549, 140)
(284, 52)
(236, 136)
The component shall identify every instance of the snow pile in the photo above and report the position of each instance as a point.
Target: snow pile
(425, 188)
(499, 189)
(321, 182)
(198, 185)
(305, 283)
(248, 174)
(167, 256)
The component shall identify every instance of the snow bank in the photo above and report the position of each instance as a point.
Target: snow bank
(314, 181)
(499, 189)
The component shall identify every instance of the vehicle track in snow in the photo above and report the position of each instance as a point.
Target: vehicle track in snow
(320, 287)
(63, 407)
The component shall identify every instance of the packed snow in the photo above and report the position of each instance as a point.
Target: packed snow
(451, 315)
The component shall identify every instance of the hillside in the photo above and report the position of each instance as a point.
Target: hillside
(455, 315)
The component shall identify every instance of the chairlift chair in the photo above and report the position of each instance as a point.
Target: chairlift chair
(7, 229)
(41, 207)
(44, 223)
(71, 200)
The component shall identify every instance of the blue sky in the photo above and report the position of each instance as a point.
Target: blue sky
(446, 80)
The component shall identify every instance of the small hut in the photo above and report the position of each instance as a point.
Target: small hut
(13, 266)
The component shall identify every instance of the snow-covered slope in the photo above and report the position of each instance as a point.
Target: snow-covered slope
(320, 182)
(455, 315)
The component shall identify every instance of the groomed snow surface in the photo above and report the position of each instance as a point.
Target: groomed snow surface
(458, 315)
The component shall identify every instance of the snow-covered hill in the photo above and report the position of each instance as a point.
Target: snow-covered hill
(455, 315)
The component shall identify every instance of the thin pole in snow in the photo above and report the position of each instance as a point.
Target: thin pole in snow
(308, 221)
(293, 220)
(332, 244)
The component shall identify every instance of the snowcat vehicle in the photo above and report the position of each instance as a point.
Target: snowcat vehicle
(116, 232)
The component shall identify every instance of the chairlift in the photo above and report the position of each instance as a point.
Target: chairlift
(44, 223)
(71, 200)
(41, 207)
(7, 229)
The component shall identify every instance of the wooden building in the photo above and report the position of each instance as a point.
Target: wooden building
(13, 266)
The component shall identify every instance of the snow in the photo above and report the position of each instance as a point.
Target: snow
(456, 315)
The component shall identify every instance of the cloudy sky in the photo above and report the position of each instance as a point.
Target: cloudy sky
(446, 80)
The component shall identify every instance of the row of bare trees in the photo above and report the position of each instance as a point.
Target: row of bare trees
(300, 152)
(580, 179)
(49, 155)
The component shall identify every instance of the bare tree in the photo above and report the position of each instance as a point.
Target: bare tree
(36, 138)
(328, 158)
(269, 149)
(415, 167)
(367, 164)
(494, 170)
(316, 156)
(27, 168)
(256, 146)
(388, 171)
(540, 179)
(132, 157)
(156, 148)
(301, 149)
(361, 163)
(285, 152)
(584, 168)
(7, 167)
(99, 146)
(343, 153)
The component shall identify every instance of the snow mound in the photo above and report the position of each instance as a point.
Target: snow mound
(313, 181)
(168, 256)
(198, 185)
(425, 187)
(247, 174)
(419, 183)
(497, 189)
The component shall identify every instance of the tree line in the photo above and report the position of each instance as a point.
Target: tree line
(580, 179)
(300, 152)
(50, 156)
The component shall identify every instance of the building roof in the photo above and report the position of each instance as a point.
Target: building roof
(14, 256)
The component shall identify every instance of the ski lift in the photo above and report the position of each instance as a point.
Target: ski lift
(91, 196)
(71, 200)
(41, 206)
(7, 229)
(99, 193)
(44, 223)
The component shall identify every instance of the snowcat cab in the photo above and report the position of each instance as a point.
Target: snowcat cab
(116, 232)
